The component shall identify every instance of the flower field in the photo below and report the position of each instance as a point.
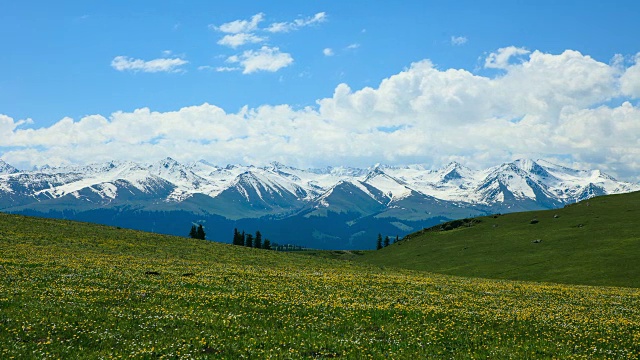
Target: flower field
(74, 290)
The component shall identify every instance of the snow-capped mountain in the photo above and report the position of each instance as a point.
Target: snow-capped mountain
(402, 198)
(6, 168)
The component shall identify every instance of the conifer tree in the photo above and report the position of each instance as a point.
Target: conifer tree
(248, 240)
(266, 244)
(200, 234)
(386, 241)
(396, 240)
(379, 244)
(194, 232)
(257, 243)
(236, 237)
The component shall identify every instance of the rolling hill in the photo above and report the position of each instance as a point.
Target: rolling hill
(594, 242)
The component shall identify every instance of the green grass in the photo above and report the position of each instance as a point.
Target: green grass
(76, 290)
(594, 242)
(335, 254)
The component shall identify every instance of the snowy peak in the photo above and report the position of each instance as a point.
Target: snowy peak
(375, 172)
(348, 197)
(544, 183)
(6, 168)
(261, 184)
(177, 173)
(277, 166)
(534, 169)
(168, 162)
(454, 172)
(393, 188)
(519, 181)
(101, 179)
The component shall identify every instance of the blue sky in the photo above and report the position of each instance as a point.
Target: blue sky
(265, 75)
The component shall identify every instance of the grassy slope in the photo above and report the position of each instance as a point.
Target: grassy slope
(595, 242)
(70, 290)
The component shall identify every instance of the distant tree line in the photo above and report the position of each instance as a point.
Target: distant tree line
(380, 243)
(197, 232)
(248, 240)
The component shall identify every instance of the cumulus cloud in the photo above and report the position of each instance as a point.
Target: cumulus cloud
(553, 106)
(125, 63)
(235, 40)
(500, 59)
(297, 24)
(240, 26)
(458, 40)
(327, 52)
(265, 59)
(630, 81)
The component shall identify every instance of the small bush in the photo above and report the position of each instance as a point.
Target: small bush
(534, 221)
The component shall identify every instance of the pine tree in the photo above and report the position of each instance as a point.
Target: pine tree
(266, 244)
(396, 240)
(257, 243)
(236, 237)
(193, 233)
(386, 241)
(379, 244)
(248, 240)
(200, 233)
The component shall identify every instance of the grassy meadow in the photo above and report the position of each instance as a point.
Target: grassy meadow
(76, 290)
(594, 242)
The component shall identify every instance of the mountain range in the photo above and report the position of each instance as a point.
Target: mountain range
(329, 208)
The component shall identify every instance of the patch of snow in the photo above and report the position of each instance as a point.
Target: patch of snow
(388, 185)
(105, 190)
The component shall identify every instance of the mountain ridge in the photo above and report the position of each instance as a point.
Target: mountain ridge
(397, 199)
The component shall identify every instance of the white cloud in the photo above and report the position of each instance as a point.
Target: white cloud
(328, 52)
(630, 81)
(240, 26)
(125, 63)
(241, 32)
(297, 24)
(353, 46)
(239, 39)
(458, 40)
(218, 68)
(265, 59)
(500, 59)
(227, 69)
(543, 106)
